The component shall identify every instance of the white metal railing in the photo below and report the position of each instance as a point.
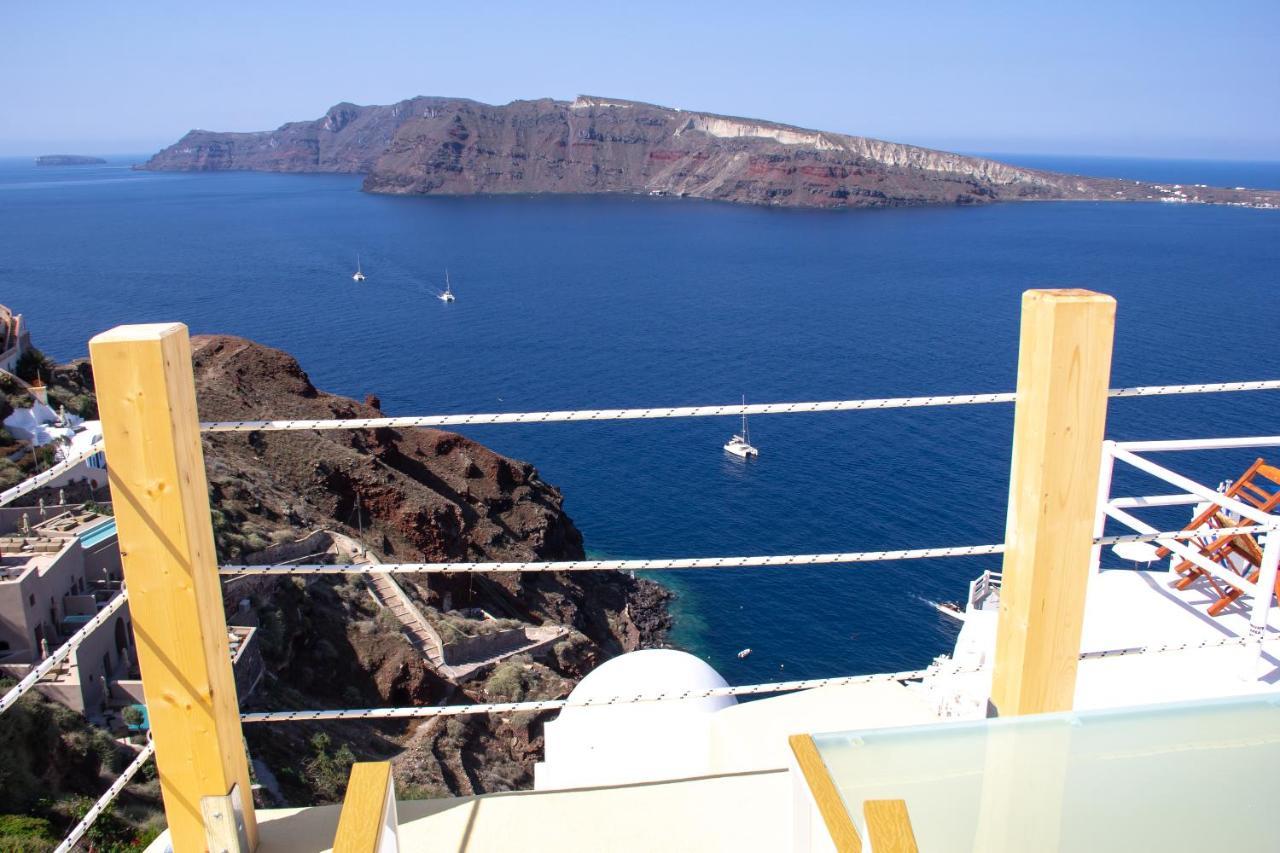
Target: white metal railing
(1246, 442)
(983, 585)
(1265, 527)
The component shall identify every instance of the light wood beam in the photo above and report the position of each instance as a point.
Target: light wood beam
(368, 820)
(147, 403)
(1064, 364)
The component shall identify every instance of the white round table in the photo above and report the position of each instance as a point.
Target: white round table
(1136, 552)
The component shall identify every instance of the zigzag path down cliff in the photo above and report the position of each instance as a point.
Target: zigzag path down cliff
(456, 146)
(419, 495)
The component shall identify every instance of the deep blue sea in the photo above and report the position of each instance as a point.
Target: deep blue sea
(588, 302)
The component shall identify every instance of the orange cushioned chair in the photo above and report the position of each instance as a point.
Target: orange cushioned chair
(1258, 486)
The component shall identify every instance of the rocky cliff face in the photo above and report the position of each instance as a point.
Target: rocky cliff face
(423, 494)
(451, 146)
(413, 495)
(347, 139)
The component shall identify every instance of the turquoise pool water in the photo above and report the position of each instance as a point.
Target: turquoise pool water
(99, 534)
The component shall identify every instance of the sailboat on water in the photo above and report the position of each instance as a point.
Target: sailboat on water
(447, 294)
(359, 276)
(740, 445)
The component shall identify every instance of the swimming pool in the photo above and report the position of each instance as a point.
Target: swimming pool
(97, 535)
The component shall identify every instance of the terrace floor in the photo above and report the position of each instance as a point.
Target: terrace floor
(747, 811)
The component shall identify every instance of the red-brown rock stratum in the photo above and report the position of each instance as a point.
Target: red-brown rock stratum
(455, 146)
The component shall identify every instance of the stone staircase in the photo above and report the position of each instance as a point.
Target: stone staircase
(388, 594)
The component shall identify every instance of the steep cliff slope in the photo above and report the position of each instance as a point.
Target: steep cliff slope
(412, 495)
(454, 146)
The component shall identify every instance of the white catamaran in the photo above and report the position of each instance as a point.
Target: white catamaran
(447, 294)
(740, 445)
(359, 276)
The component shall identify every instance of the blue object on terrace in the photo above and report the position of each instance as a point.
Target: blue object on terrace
(97, 535)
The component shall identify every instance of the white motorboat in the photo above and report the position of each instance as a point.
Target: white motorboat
(359, 275)
(740, 445)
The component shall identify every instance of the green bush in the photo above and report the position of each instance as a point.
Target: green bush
(501, 775)
(327, 770)
(10, 474)
(32, 364)
(455, 731)
(46, 456)
(100, 509)
(26, 834)
(448, 633)
(272, 634)
(506, 683)
(387, 622)
(110, 833)
(422, 792)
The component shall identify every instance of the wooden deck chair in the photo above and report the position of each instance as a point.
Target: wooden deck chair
(1251, 488)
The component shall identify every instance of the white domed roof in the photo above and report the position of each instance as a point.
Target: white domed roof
(633, 741)
(648, 671)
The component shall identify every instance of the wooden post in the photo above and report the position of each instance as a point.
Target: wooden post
(368, 822)
(822, 792)
(1064, 365)
(151, 434)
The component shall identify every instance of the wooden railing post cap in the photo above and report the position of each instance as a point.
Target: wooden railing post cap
(137, 332)
(1064, 294)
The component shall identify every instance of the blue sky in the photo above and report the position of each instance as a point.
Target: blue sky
(1160, 79)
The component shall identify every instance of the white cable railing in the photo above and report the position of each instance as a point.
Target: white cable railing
(680, 563)
(1163, 648)
(36, 481)
(700, 411)
(644, 565)
(106, 799)
(941, 667)
(584, 702)
(61, 653)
